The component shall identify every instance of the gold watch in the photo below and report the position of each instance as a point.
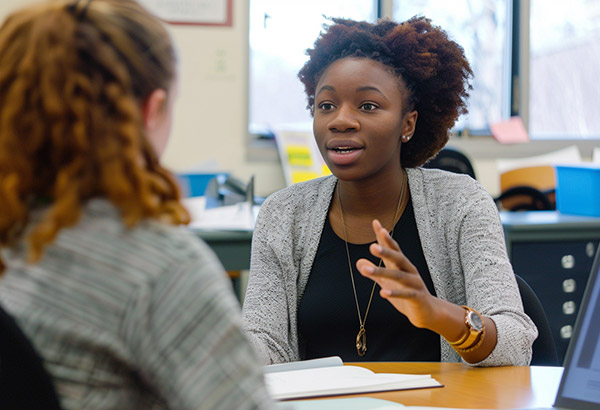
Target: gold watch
(475, 333)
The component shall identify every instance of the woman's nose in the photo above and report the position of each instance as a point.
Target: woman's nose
(344, 120)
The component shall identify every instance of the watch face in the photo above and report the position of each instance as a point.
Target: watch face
(475, 321)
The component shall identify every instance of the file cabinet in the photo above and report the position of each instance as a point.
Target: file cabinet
(554, 253)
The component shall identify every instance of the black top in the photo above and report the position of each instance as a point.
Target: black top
(24, 382)
(327, 317)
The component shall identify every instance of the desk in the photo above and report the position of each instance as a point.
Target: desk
(232, 247)
(547, 226)
(554, 253)
(508, 387)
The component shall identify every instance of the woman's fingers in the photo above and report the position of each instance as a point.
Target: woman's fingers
(376, 272)
(389, 251)
(383, 236)
(393, 279)
(408, 293)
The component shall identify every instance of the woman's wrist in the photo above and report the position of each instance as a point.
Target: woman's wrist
(475, 333)
(448, 320)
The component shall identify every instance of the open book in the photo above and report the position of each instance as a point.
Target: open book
(329, 376)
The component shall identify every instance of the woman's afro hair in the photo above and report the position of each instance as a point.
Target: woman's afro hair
(431, 66)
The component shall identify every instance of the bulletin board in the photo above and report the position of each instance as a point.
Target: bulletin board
(299, 154)
(192, 12)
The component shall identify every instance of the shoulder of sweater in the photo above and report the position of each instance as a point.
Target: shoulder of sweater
(171, 242)
(436, 181)
(301, 193)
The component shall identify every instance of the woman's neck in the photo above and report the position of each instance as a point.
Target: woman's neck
(357, 203)
(372, 197)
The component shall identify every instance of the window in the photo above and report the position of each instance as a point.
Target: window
(564, 64)
(562, 40)
(483, 29)
(280, 33)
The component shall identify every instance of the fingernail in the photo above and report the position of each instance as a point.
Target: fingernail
(369, 269)
(377, 248)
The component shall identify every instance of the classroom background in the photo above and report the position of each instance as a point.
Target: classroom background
(211, 123)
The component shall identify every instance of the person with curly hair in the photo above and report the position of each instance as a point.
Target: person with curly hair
(384, 97)
(125, 307)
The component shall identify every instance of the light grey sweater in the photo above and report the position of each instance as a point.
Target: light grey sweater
(462, 240)
(133, 318)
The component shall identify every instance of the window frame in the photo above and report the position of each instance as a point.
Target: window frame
(479, 145)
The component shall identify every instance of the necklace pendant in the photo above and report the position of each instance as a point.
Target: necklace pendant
(361, 341)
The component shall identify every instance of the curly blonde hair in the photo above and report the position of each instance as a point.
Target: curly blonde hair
(73, 78)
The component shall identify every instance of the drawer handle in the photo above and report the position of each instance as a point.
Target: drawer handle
(569, 307)
(569, 285)
(566, 332)
(590, 249)
(567, 261)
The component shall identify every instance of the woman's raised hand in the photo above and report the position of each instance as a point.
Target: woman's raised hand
(399, 279)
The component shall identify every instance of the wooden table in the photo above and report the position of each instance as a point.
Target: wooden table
(508, 387)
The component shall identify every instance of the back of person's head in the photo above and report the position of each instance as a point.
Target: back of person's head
(74, 78)
(431, 68)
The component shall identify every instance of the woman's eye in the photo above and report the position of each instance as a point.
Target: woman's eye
(368, 106)
(326, 106)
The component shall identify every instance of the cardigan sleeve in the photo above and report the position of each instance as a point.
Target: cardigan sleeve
(463, 242)
(490, 285)
(269, 299)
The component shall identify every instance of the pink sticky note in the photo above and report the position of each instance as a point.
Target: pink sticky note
(511, 131)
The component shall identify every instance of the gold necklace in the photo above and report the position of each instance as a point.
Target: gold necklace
(361, 337)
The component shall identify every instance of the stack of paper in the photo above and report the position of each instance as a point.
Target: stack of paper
(238, 217)
(338, 379)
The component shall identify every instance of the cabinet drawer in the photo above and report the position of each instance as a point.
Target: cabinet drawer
(558, 273)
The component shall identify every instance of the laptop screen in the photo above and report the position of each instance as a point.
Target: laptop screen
(580, 384)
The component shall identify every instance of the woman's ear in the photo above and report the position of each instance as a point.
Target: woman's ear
(153, 108)
(157, 119)
(410, 123)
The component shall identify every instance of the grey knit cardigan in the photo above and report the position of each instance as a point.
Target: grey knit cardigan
(462, 240)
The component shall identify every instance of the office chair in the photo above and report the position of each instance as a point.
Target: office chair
(524, 198)
(450, 159)
(528, 189)
(544, 349)
(24, 382)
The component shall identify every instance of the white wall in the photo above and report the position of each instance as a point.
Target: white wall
(210, 114)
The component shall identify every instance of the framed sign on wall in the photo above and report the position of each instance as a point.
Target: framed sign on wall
(192, 12)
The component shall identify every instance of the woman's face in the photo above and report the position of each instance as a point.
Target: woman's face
(358, 121)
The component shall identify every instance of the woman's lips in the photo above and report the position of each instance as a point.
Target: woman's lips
(344, 155)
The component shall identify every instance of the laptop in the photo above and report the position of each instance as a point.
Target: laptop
(579, 387)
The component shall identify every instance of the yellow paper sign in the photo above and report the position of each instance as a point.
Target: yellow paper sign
(301, 176)
(299, 156)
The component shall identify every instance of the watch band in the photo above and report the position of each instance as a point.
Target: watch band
(473, 338)
(474, 346)
(461, 340)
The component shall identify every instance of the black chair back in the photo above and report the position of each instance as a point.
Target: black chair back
(24, 382)
(544, 348)
(450, 159)
(527, 198)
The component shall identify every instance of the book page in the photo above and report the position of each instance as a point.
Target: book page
(304, 364)
(339, 380)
